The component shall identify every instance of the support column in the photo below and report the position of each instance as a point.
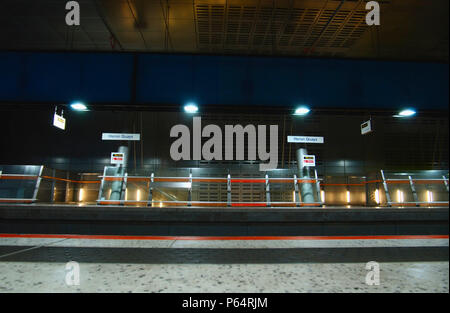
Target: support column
(150, 190)
(306, 189)
(413, 189)
(116, 188)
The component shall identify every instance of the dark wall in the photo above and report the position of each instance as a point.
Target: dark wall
(28, 137)
(155, 79)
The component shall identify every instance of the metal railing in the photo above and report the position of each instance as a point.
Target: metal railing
(16, 177)
(153, 181)
(23, 184)
(412, 186)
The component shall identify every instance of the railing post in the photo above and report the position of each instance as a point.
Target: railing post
(124, 188)
(150, 190)
(413, 189)
(52, 193)
(386, 190)
(228, 190)
(267, 191)
(366, 190)
(66, 196)
(296, 192)
(100, 191)
(190, 189)
(319, 199)
(38, 183)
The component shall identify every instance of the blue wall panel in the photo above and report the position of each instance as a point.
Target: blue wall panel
(63, 77)
(221, 80)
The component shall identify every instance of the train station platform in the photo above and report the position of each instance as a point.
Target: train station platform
(222, 250)
(38, 263)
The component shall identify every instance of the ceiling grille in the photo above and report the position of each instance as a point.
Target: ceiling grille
(291, 30)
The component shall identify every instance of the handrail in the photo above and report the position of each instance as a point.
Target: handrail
(228, 180)
(411, 182)
(18, 176)
(208, 203)
(154, 180)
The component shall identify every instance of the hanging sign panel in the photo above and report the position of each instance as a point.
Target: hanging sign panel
(366, 127)
(59, 121)
(121, 136)
(309, 160)
(305, 139)
(117, 158)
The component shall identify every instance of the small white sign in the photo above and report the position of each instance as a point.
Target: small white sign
(59, 121)
(121, 136)
(305, 139)
(309, 160)
(117, 158)
(366, 127)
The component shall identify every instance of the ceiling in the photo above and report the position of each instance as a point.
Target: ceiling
(409, 30)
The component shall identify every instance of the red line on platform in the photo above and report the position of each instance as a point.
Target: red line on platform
(68, 236)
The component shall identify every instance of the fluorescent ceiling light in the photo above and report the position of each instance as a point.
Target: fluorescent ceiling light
(302, 110)
(406, 113)
(190, 108)
(78, 106)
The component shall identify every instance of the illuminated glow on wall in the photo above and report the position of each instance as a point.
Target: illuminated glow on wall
(400, 197)
(377, 196)
(429, 196)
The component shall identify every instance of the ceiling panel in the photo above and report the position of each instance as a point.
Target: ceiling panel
(409, 30)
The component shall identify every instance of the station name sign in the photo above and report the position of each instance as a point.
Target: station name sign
(304, 139)
(121, 136)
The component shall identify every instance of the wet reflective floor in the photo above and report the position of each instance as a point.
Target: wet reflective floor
(196, 265)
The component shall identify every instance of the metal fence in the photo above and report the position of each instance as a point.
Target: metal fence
(182, 187)
(157, 191)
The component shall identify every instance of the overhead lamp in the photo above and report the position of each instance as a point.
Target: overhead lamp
(78, 106)
(406, 113)
(191, 108)
(303, 110)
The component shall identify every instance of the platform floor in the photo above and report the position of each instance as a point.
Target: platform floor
(253, 266)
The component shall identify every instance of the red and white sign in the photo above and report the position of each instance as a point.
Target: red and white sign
(117, 158)
(309, 160)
